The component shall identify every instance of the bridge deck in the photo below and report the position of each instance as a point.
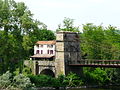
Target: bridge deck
(97, 63)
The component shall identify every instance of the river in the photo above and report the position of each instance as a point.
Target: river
(106, 88)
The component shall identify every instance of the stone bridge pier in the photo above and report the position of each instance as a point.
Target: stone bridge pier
(67, 50)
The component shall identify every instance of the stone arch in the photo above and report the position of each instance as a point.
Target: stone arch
(48, 72)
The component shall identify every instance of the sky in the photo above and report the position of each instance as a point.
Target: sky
(53, 12)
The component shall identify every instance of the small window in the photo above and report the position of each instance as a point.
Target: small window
(41, 51)
(41, 46)
(47, 51)
(37, 51)
(49, 46)
(51, 51)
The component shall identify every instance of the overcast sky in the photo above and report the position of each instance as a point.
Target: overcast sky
(52, 12)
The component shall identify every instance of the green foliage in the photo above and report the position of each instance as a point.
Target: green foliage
(22, 82)
(5, 80)
(18, 34)
(26, 71)
(18, 82)
(73, 80)
(113, 74)
(96, 77)
(61, 79)
(70, 80)
(13, 27)
(41, 35)
(98, 42)
(44, 81)
(68, 26)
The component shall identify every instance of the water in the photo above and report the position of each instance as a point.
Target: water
(106, 88)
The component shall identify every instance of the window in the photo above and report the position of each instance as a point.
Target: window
(49, 46)
(41, 46)
(51, 51)
(47, 51)
(41, 51)
(37, 51)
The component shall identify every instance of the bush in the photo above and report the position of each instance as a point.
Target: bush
(96, 77)
(5, 80)
(19, 82)
(61, 79)
(44, 81)
(72, 80)
(22, 82)
(113, 74)
(25, 71)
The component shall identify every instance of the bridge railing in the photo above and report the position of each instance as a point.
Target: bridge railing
(96, 62)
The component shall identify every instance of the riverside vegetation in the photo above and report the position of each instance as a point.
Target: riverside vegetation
(27, 81)
(19, 32)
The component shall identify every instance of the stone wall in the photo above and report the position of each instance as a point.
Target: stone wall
(38, 66)
(46, 65)
(67, 51)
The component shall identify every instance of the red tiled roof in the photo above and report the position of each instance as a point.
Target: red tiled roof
(42, 56)
(46, 42)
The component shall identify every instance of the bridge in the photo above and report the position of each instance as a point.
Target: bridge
(96, 63)
(67, 58)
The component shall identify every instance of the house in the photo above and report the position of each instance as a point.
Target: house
(44, 50)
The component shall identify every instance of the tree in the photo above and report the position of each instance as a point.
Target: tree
(68, 26)
(15, 22)
(98, 42)
(18, 34)
(91, 40)
(41, 34)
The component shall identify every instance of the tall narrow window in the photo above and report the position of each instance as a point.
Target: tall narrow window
(47, 51)
(41, 51)
(51, 51)
(37, 51)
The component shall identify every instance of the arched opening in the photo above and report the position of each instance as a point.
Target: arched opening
(48, 72)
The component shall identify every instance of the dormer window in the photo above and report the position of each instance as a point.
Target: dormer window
(50, 46)
(41, 46)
